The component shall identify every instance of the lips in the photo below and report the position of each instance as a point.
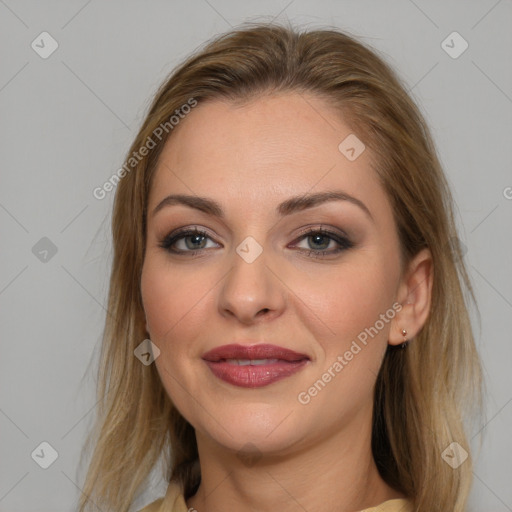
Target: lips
(264, 351)
(253, 366)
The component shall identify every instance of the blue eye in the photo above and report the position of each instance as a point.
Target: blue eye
(195, 240)
(320, 239)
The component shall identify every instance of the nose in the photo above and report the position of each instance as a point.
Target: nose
(251, 291)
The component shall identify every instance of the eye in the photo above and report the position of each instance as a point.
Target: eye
(192, 241)
(319, 240)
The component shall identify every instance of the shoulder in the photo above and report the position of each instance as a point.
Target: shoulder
(173, 501)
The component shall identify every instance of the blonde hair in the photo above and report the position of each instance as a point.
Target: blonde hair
(421, 392)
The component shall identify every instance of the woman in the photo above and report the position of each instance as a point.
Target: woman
(287, 324)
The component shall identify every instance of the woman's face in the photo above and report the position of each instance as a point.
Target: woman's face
(257, 276)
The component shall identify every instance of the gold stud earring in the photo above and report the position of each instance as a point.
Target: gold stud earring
(404, 343)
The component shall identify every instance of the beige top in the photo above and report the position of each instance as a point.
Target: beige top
(173, 501)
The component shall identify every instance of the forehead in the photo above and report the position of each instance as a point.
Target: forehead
(265, 150)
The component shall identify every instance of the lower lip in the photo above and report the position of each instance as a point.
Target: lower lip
(254, 376)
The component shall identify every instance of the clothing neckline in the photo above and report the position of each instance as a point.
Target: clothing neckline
(174, 501)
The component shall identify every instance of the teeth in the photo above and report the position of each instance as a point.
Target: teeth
(254, 362)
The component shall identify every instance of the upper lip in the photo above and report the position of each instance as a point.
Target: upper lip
(260, 351)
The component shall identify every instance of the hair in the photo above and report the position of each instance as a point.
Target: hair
(423, 394)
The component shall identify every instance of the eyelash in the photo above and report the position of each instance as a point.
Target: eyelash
(343, 242)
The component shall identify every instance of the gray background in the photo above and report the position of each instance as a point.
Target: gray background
(66, 124)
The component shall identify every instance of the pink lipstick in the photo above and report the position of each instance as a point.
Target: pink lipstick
(253, 366)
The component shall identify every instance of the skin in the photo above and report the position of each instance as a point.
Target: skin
(249, 159)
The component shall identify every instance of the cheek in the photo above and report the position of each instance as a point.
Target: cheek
(173, 301)
(355, 297)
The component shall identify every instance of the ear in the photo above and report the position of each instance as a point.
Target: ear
(415, 295)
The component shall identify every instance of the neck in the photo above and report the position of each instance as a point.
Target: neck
(337, 473)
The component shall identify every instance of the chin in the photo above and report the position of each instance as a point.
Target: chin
(259, 428)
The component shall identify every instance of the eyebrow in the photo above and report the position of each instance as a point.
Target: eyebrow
(291, 205)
